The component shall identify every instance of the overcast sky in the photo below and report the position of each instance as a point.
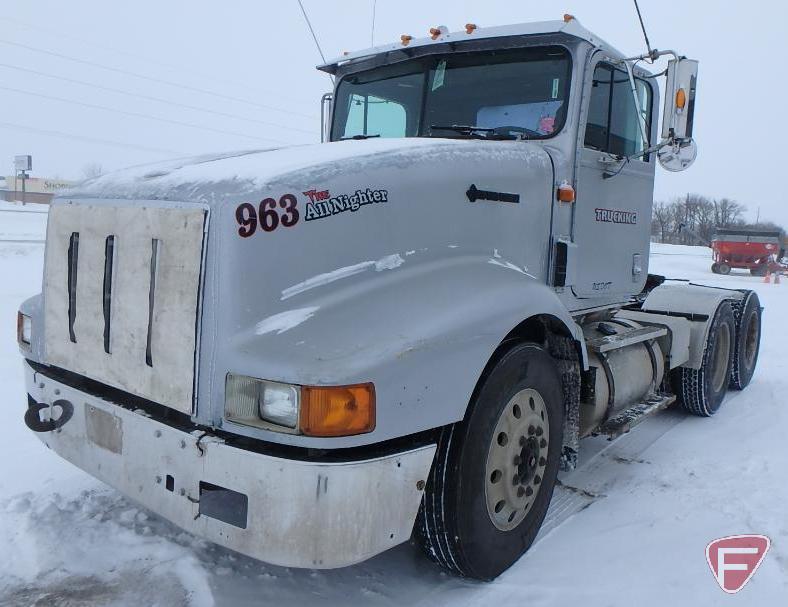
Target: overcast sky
(243, 72)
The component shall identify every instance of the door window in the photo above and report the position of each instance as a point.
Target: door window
(613, 123)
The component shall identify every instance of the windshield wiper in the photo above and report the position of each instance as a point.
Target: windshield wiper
(356, 137)
(478, 132)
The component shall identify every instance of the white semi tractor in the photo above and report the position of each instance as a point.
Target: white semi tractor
(312, 353)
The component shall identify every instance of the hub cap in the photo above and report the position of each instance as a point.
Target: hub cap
(516, 459)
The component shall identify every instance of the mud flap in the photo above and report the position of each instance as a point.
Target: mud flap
(564, 351)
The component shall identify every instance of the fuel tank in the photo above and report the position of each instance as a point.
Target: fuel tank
(620, 378)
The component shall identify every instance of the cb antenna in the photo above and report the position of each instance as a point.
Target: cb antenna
(314, 37)
(374, 7)
(643, 27)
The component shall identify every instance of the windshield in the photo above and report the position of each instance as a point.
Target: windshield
(520, 91)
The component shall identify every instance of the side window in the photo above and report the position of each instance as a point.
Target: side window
(371, 115)
(613, 123)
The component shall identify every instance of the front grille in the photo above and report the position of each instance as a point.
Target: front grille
(121, 295)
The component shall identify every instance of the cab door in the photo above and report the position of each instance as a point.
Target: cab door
(612, 215)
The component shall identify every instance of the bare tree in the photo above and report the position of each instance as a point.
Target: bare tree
(728, 212)
(662, 217)
(92, 170)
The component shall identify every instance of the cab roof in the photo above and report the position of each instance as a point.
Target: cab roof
(568, 26)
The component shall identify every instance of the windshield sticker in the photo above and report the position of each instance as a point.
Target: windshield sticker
(555, 88)
(615, 216)
(322, 205)
(440, 74)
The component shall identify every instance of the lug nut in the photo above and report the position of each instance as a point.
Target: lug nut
(542, 461)
(539, 431)
(531, 430)
(543, 443)
(529, 492)
(520, 492)
(515, 480)
(537, 479)
(522, 441)
(516, 460)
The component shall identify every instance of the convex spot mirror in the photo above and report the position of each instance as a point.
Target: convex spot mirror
(678, 156)
(679, 110)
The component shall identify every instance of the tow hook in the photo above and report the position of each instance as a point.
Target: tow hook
(33, 417)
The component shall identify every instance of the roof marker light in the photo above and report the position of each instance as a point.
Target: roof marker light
(568, 18)
(470, 27)
(405, 39)
(435, 33)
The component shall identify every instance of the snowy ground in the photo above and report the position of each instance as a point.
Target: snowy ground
(630, 526)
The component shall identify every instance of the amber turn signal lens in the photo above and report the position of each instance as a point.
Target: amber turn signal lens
(568, 18)
(681, 99)
(566, 193)
(435, 33)
(470, 27)
(337, 410)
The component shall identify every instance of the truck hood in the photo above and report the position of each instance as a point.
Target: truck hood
(231, 176)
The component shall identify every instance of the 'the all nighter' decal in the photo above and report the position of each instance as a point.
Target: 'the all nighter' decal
(285, 211)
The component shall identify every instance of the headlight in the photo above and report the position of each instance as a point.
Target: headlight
(310, 410)
(24, 328)
(257, 402)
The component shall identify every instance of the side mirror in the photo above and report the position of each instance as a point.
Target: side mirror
(679, 109)
(326, 102)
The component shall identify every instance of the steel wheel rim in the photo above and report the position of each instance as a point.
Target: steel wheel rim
(516, 459)
(721, 356)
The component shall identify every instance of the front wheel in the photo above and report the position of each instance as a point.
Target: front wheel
(494, 472)
(723, 268)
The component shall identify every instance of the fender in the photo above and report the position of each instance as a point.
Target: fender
(422, 332)
(697, 303)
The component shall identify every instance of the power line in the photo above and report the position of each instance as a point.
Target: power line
(137, 115)
(169, 66)
(151, 98)
(151, 78)
(62, 135)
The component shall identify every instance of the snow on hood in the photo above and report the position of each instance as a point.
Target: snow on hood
(208, 177)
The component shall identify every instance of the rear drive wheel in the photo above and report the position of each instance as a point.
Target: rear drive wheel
(715, 268)
(723, 268)
(747, 344)
(494, 472)
(700, 391)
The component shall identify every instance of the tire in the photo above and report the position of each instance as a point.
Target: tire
(700, 391)
(715, 268)
(747, 314)
(759, 270)
(723, 268)
(457, 526)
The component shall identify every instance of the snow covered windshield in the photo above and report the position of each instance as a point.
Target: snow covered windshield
(521, 91)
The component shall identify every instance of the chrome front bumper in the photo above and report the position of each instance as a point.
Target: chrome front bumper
(281, 511)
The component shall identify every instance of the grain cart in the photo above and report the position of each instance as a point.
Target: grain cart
(759, 251)
(309, 354)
